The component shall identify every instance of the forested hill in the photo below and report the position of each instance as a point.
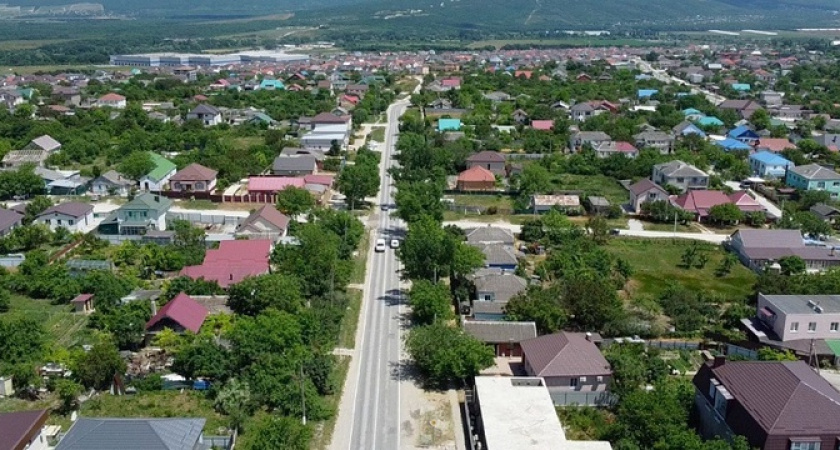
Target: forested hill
(593, 14)
(187, 8)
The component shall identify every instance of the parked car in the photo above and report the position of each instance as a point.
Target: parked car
(395, 243)
(380, 245)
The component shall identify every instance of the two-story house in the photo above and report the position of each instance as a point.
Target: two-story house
(659, 140)
(206, 114)
(814, 177)
(769, 165)
(493, 161)
(775, 405)
(146, 212)
(592, 139)
(112, 100)
(681, 175)
(793, 317)
(567, 361)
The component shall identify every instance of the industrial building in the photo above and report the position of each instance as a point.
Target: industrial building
(180, 59)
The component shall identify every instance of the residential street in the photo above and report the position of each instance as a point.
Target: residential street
(369, 413)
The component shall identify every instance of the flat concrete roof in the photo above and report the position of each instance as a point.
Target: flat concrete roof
(518, 413)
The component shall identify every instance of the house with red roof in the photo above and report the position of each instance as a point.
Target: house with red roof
(232, 262)
(774, 145)
(700, 201)
(476, 178)
(273, 185)
(542, 125)
(264, 223)
(180, 315)
(24, 430)
(112, 100)
(83, 303)
(194, 178)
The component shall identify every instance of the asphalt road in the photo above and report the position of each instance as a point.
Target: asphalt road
(376, 398)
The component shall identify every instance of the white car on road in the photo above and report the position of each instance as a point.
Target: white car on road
(395, 243)
(380, 245)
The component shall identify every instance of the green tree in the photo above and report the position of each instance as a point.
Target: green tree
(430, 302)
(599, 229)
(293, 201)
(255, 294)
(317, 260)
(136, 165)
(5, 300)
(792, 265)
(96, 369)
(534, 179)
(234, 400)
(277, 431)
(726, 213)
(426, 251)
(68, 392)
(36, 206)
(540, 306)
(419, 199)
(634, 366)
(203, 358)
(444, 353)
(22, 338)
(770, 354)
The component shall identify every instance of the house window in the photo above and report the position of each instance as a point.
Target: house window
(574, 382)
(810, 445)
(812, 327)
(680, 180)
(833, 328)
(821, 184)
(794, 327)
(70, 221)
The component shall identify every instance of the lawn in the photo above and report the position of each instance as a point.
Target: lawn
(662, 226)
(66, 327)
(157, 404)
(499, 201)
(360, 261)
(350, 322)
(196, 204)
(599, 185)
(656, 263)
(377, 134)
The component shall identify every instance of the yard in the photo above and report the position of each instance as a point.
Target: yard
(656, 263)
(157, 404)
(599, 185)
(66, 327)
(377, 134)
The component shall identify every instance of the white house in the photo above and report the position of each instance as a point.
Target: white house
(208, 115)
(73, 216)
(112, 100)
(158, 178)
(111, 183)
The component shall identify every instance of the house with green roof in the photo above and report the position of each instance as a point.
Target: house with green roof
(157, 179)
(709, 121)
(145, 213)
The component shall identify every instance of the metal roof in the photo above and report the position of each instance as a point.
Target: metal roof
(500, 332)
(132, 434)
(565, 354)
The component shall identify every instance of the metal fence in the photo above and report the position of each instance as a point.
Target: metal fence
(674, 345)
(12, 260)
(569, 398)
(205, 218)
(734, 350)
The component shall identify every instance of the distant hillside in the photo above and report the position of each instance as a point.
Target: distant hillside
(186, 8)
(510, 15)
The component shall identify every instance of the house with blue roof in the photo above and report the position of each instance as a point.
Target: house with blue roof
(449, 125)
(741, 87)
(744, 134)
(646, 93)
(686, 128)
(709, 121)
(731, 145)
(693, 114)
(769, 165)
(272, 85)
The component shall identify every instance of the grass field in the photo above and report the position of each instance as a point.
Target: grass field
(592, 185)
(656, 264)
(377, 134)
(196, 204)
(661, 226)
(157, 404)
(324, 430)
(28, 70)
(67, 328)
(350, 322)
(28, 45)
(487, 201)
(360, 262)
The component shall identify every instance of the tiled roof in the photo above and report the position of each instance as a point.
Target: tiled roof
(8, 218)
(498, 254)
(112, 97)
(46, 142)
(564, 354)
(500, 332)
(487, 156)
(477, 173)
(815, 172)
(72, 209)
(787, 398)
(81, 298)
(194, 172)
(205, 109)
(18, 428)
(232, 262)
(774, 144)
(269, 214)
(644, 185)
(182, 310)
(274, 184)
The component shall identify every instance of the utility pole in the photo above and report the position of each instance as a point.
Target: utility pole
(302, 394)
